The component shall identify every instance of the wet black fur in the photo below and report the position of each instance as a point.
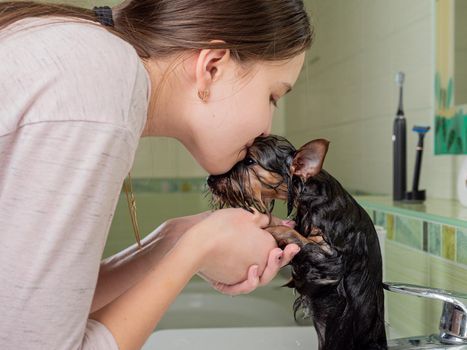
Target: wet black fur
(342, 290)
(273, 152)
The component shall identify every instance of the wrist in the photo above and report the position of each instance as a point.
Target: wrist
(196, 246)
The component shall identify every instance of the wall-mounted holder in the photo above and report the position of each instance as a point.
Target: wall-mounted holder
(417, 196)
(399, 140)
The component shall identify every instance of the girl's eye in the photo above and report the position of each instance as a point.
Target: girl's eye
(273, 101)
(249, 161)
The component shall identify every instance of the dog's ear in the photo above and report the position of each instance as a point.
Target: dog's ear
(309, 159)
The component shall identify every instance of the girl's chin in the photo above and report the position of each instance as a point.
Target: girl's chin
(222, 168)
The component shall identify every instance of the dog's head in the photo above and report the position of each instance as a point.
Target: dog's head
(266, 173)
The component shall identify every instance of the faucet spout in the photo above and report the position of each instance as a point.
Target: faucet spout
(453, 321)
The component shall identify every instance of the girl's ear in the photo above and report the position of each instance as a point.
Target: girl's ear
(309, 159)
(209, 66)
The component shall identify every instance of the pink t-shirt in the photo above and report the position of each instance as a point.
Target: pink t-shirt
(73, 104)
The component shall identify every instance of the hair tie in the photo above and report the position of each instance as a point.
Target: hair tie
(104, 15)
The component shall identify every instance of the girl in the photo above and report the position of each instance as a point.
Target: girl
(78, 88)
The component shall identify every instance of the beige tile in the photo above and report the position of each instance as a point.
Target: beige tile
(186, 164)
(448, 242)
(408, 314)
(377, 20)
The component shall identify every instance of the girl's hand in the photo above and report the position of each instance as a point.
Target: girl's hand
(278, 258)
(235, 246)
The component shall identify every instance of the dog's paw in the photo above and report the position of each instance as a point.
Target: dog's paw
(316, 236)
(285, 235)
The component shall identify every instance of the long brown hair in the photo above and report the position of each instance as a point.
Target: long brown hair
(253, 30)
(268, 30)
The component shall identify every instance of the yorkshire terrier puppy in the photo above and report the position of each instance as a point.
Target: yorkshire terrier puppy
(338, 271)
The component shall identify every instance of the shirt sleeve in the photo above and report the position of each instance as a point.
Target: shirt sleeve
(98, 337)
(59, 186)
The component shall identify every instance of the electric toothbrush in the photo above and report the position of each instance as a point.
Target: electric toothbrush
(399, 141)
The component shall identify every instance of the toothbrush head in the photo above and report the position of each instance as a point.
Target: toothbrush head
(421, 129)
(400, 77)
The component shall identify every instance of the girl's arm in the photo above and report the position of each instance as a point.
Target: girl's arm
(224, 244)
(132, 316)
(124, 269)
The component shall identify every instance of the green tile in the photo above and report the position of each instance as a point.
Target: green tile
(448, 250)
(462, 246)
(380, 218)
(425, 236)
(390, 226)
(169, 185)
(409, 231)
(434, 238)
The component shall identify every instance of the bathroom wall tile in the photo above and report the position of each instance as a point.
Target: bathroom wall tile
(278, 120)
(186, 165)
(409, 231)
(390, 226)
(410, 11)
(448, 245)
(413, 315)
(376, 60)
(447, 274)
(350, 30)
(434, 238)
(425, 236)
(380, 218)
(359, 111)
(169, 185)
(407, 265)
(462, 246)
(376, 22)
(412, 47)
(377, 95)
(154, 158)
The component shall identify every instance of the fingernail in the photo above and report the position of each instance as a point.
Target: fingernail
(295, 251)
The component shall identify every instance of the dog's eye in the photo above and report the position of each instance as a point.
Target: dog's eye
(249, 161)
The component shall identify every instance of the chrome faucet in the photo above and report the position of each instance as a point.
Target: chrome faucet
(453, 321)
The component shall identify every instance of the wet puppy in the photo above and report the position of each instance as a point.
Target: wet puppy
(338, 270)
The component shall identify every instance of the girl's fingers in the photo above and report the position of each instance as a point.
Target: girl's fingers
(278, 258)
(244, 287)
(273, 266)
(290, 251)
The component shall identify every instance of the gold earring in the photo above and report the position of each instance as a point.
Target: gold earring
(132, 207)
(203, 95)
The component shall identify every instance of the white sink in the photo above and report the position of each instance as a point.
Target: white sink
(203, 319)
(200, 306)
(255, 338)
(198, 310)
